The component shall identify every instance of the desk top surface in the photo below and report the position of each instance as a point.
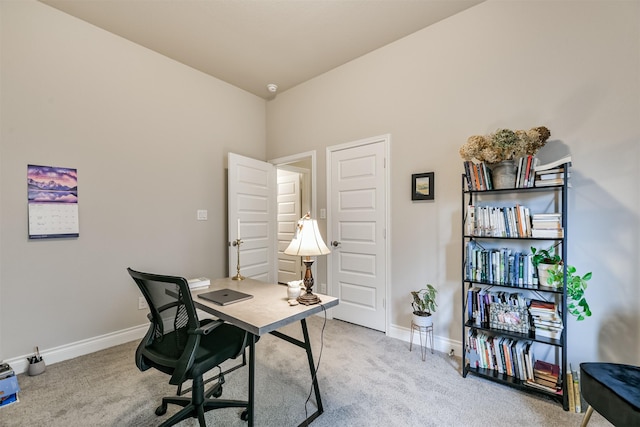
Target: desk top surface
(267, 311)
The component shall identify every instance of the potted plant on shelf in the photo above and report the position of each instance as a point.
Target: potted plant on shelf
(545, 261)
(550, 273)
(423, 304)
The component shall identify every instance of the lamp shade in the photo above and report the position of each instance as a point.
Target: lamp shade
(307, 241)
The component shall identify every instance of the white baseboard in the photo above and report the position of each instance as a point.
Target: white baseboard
(441, 344)
(90, 345)
(80, 348)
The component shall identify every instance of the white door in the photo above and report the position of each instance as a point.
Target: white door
(251, 217)
(357, 189)
(289, 212)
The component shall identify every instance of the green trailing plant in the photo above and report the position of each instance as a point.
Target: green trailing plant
(577, 304)
(424, 301)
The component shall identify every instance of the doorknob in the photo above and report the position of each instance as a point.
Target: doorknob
(335, 243)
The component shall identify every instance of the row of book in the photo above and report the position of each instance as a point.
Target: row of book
(478, 176)
(514, 358)
(498, 221)
(503, 354)
(512, 221)
(526, 171)
(530, 173)
(502, 266)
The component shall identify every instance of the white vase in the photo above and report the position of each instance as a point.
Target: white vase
(503, 174)
(543, 275)
(422, 321)
(294, 289)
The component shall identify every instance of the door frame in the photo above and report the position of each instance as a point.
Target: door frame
(294, 158)
(386, 140)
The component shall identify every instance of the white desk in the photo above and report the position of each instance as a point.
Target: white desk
(267, 311)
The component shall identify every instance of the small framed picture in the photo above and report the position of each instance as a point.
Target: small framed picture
(422, 186)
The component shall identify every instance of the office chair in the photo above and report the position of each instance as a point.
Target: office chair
(179, 345)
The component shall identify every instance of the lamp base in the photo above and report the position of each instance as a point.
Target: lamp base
(238, 277)
(308, 299)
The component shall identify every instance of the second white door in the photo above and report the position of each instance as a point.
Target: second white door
(357, 182)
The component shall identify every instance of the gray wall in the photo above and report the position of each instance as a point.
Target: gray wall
(571, 66)
(149, 138)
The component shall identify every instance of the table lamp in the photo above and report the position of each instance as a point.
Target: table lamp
(307, 242)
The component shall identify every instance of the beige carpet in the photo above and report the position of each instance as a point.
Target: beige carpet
(366, 379)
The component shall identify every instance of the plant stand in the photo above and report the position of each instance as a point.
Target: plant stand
(428, 334)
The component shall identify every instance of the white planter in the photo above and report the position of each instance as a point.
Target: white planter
(543, 275)
(422, 321)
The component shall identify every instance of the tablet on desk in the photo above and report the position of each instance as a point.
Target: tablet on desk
(225, 296)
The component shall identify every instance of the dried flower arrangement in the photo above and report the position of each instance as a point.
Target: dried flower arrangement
(504, 144)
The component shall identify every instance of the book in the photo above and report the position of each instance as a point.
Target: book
(547, 233)
(534, 165)
(545, 176)
(546, 171)
(570, 393)
(546, 368)
(554, 164)
(198, 282)
(546, 224)
(533, 384)
(576, 389)
(467, 175)
(6, 371)
(548, 182)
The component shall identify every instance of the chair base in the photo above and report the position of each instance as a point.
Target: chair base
(199, 403)
(190, 410)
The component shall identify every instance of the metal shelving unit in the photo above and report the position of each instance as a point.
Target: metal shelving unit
(471, 197)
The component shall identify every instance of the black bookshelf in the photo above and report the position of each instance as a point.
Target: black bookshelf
(559, 345)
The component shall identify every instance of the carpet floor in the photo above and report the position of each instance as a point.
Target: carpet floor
(366, 379)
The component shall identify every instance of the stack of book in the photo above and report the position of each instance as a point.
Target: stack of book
(8, 385)
(551, 173)
(547, 225)
(198, 282)
(546, 376)
(546, 320)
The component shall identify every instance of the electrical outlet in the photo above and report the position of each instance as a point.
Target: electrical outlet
(142, 303)
(322, 288)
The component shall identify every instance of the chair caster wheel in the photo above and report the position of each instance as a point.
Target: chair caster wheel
(217, 393)
(161, 410)
(244, 416)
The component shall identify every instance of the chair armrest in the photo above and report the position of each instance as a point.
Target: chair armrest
(208, 327)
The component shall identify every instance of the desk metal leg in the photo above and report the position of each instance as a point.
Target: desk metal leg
(312, 368)
(252, 378)
(307, 346)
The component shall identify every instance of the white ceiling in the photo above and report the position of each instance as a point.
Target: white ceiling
(251, 43)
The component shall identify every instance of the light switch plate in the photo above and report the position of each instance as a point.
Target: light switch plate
(201, 214)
